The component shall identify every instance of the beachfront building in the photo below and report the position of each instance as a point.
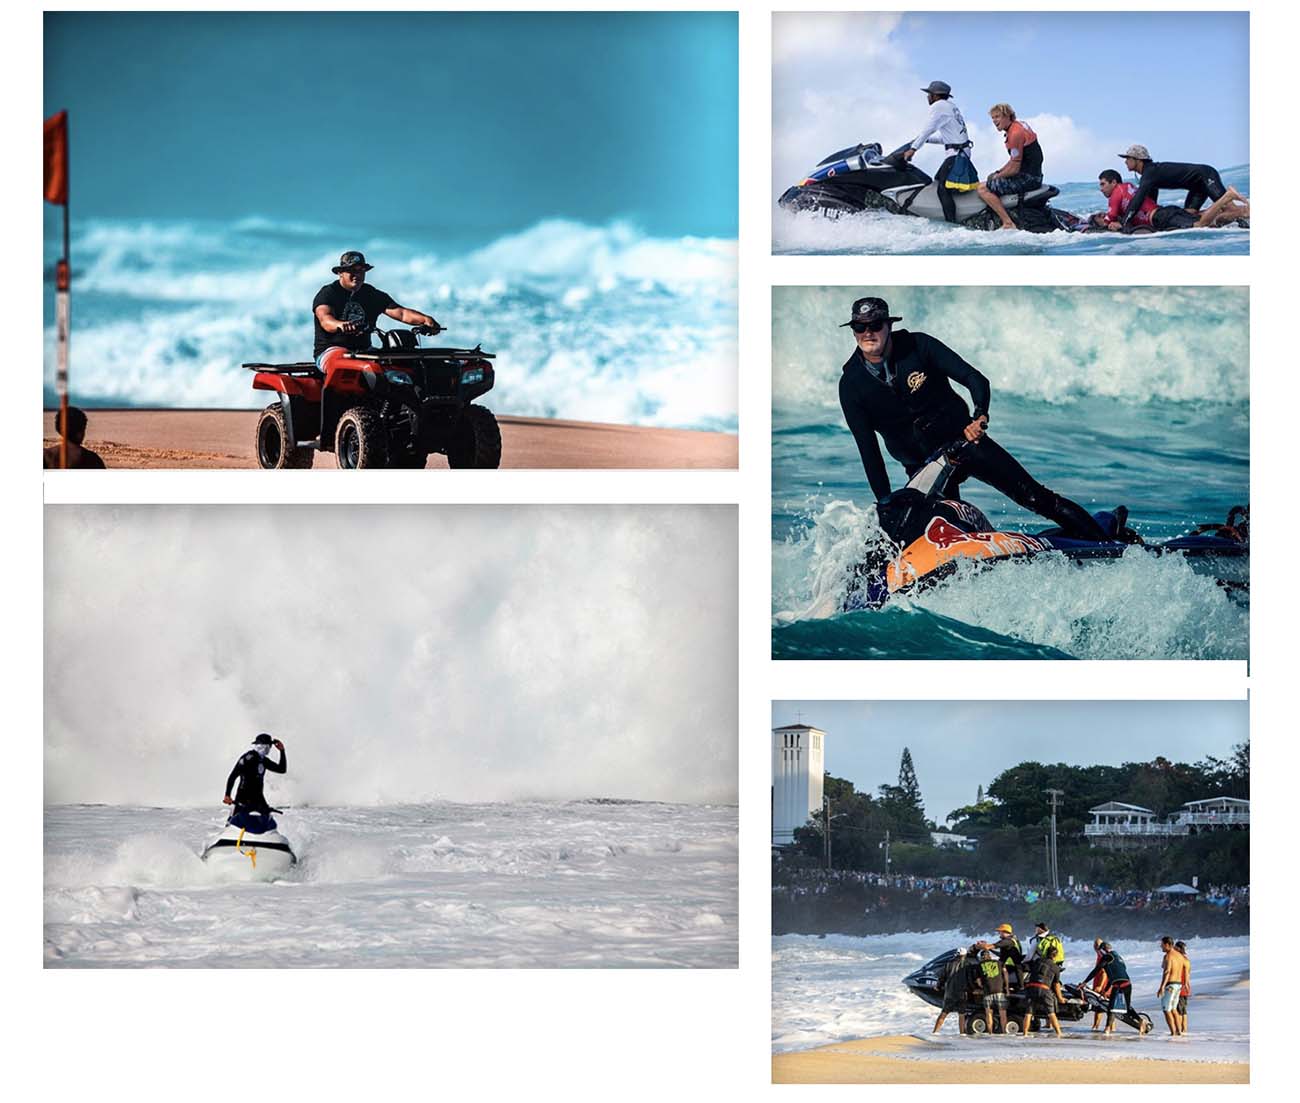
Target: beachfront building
(947, 838)
(1118, 826)
(798, 765)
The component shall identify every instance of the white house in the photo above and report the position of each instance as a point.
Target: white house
(1119, 825)
(798, 764)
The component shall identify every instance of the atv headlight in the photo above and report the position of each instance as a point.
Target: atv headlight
(396, 376)
(472, 375)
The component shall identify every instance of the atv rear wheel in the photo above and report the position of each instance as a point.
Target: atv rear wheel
(476, 440)
(359, 439)
(1013, 1027)
(275, 448)
(976, 1025)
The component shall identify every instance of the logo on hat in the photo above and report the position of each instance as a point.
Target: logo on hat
(870, 309)
(352, 259)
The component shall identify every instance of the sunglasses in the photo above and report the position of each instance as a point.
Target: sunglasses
(867, 327)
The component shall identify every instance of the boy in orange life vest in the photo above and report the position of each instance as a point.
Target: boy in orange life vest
(1023, 171)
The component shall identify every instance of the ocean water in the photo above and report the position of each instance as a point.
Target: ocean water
(526, 884)
(878, 232)
(840, 988)
(1106, 395)
(589, 322)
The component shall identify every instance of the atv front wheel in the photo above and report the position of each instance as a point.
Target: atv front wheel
(275, 448)
(476, 440)
(359, 439)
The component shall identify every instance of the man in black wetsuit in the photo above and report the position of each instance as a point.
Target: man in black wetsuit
(1120, 986)
(345, 311)
(249, 771)
(1201, 182)
(899, 384)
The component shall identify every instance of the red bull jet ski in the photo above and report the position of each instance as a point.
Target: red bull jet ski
(927, 983)
(860, 178)
(251, 847)
(932, 533)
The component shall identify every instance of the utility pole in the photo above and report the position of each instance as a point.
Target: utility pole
(886, 852)
(1056, 872)
(1047, 856)
(826, 829)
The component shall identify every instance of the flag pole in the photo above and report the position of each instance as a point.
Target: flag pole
(63, 311)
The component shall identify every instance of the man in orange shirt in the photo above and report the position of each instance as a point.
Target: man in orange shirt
(1023, 171)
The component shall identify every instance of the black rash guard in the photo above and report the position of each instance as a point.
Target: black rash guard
(248, 771)
(1200, 181)
(917, 412)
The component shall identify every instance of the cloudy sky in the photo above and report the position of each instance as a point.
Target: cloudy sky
(959, 745)
(401, 653)
(1090, 83)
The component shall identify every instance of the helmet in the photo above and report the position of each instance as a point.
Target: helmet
(1003, 928)
(264, 739)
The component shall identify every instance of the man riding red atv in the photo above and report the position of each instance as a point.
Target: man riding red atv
(385, 407)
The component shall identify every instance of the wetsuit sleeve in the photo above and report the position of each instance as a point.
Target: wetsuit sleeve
(278, 767)
(864, 432)
(234, 773)
(1146, 184)
(955, 368)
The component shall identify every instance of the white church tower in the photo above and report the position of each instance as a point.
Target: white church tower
(798, 763)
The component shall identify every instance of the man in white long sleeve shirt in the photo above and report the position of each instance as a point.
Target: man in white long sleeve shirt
(945, 127)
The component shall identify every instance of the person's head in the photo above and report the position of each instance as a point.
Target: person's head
(1180, 946)
(1040, 929)
(1098, 943)
(1003, 115)
(76, 424)
(1107, 947)
(262, 744)
(1166, 943)
(1135, 157)
(872, 325)
(1003, 928)
(351, 270)
(1108, 180)
(937, 90)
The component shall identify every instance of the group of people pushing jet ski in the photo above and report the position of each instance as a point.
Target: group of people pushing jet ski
(987, 972)
(1132, 208)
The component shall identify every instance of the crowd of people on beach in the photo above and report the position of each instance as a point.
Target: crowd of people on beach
(980, 980)
(816, 882)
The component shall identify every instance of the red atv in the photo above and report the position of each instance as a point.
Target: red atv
(385, 407)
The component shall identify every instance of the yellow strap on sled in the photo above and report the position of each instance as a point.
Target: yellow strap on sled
(251, 855)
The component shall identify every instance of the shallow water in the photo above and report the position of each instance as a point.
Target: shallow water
(532, 884)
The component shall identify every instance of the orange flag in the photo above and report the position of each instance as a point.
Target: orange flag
(56, 158)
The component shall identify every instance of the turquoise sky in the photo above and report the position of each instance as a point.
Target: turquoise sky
(474, 124)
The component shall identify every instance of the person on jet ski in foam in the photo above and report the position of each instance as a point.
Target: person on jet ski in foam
(249, 771)
(898, 384)
(1023, 171)
(1119, 194)
(1119, 984)
(945, 127)
(345, 311)
(1200, 181)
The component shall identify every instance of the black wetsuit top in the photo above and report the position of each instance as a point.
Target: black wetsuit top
(1114, 967)
(248, 771)
(1010, 954)
(916, 412)
(1043, 973)
(364, 305)
(1031, 158)
(1200, 181)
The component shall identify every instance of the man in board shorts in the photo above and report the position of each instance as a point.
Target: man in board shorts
(1171, 985)
(1023, 171)
(1044, 991)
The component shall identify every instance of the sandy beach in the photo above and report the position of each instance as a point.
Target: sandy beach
(224, 439)
(899, 1059)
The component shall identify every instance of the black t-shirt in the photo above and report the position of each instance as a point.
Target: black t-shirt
(1043, 970)
(365, 304)
(1165, 174)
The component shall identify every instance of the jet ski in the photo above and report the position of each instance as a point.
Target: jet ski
(250, 846)
(861, 178)
(932, 533)
(927, 982)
